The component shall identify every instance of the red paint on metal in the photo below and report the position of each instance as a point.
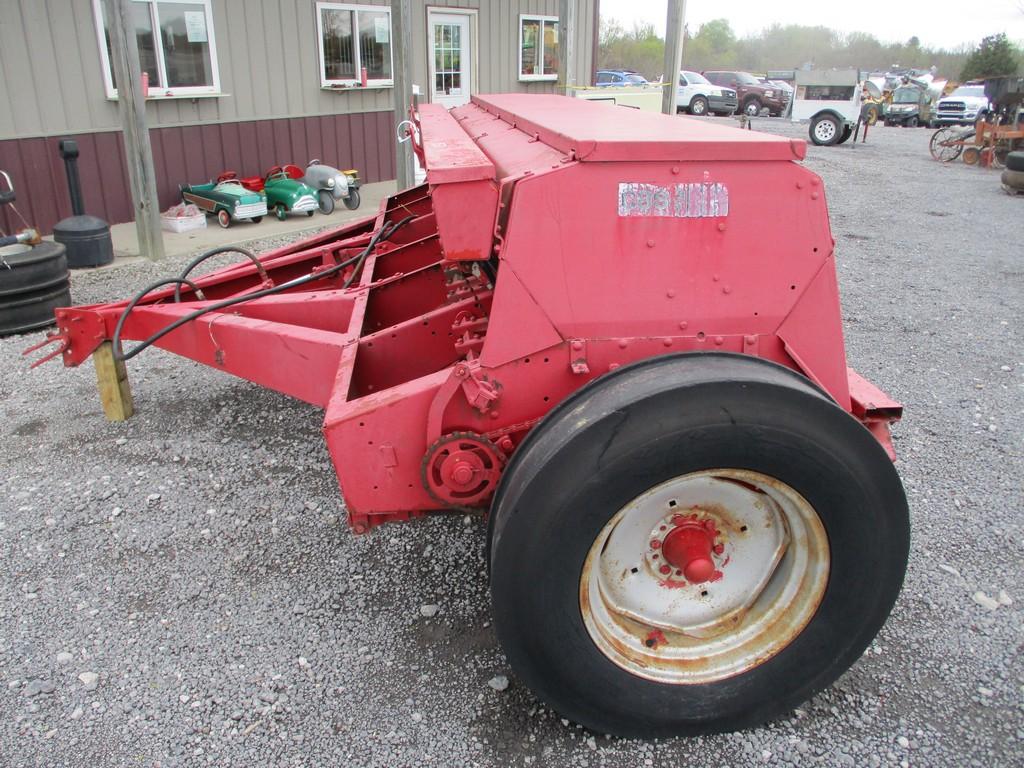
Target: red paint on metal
(549, 245)
(688, 548)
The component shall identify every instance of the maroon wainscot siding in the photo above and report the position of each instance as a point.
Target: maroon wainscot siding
(190, 154)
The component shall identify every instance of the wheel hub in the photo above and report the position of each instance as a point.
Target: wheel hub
(704, 576)
(462, 469)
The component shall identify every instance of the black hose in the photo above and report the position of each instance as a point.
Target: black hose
(223, 249)
(176, 281)
(382, 233)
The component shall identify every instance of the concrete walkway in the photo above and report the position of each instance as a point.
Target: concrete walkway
(126, 242)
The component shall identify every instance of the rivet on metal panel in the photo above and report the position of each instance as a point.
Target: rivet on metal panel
(726, 289)
(683, 324)
(749, 340)
(799, 184)
(671, 293)
(814, 195)
(675, 169)
(721, 226)
(715, 278)
(719, 340)
(650, 243)
(667, 341)
(623, 343)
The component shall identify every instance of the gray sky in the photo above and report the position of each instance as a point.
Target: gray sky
(936, 23)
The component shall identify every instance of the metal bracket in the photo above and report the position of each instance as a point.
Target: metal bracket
(480, 393)
(578, 356)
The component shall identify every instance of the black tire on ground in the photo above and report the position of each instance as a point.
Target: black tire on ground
(911, 123)
(698, 106)
(352, 200)
(647, 424)
(224, 219)
(1013, 181)
(281, 212)
(256, 219)
(846, 134)
(310, 213)
(825, 130)
(33, 283)
(1015, 161)
(325, 201)
(752, 107)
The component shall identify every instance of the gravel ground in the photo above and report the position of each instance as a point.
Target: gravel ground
(181, 589)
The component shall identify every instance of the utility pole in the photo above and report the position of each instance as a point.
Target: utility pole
(673, 54)
(401, 29)
(568, 11)
(131, 103)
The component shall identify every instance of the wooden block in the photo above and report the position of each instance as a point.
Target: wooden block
(112, 381)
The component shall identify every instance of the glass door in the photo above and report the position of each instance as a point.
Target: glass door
(449, 59)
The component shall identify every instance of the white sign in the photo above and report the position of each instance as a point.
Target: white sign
(695, 200)
(195, 26)
(382, 30)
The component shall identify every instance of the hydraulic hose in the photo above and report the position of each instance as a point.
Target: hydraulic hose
(381, 234)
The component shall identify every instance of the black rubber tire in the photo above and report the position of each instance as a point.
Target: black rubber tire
(1013, 181)
(911, 123)
(256, 219)
(281, 212)
(1015, 161)
(812, 131)
(752, 107)
(32, 284)
(325, 202)
(43, 266)
(644, 424)
(846, 134)
(698, 106)
(309, 213)
(352, 200)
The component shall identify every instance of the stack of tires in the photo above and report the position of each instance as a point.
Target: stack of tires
(33, 283)
(1013, 174)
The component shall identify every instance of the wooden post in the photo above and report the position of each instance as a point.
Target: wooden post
(568, 11)
(401, 45)
(112, 381)
(131, 103)
(673, 54)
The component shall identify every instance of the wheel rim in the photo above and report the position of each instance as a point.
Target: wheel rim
(824, 130)
(752, 109)
(705, 576)
(698, 107)
(223, 218)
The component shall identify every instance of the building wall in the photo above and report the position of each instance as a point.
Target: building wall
(271, 108)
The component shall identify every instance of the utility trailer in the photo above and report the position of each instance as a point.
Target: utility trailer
(622, 340)
(830, 101)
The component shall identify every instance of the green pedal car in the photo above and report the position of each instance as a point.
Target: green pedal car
(284, 194)
(227, 199)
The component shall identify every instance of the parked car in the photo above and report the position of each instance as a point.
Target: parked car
(226, 199)
(284, 194)
(910, 107)
(753, 95)
(698, 96)
(607, 77)
(330, 184)
(964, 106)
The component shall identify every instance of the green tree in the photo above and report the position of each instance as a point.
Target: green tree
(994, 57)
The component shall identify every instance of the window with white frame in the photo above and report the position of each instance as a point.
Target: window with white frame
(355, 44)
(176, 47)
(538, 47)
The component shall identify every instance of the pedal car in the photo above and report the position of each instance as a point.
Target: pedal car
(227, 199)
(330, 184)
(283, 193)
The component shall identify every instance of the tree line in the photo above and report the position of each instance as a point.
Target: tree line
(791, 46)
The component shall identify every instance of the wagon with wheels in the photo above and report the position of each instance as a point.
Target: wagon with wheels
(623, 342)
(284, 193)
(829, 101)
(227, 200)
(987, 144)
(330, 184)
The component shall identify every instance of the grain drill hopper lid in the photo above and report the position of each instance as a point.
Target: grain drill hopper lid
(597, 132)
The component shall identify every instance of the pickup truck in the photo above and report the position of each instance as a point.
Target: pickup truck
(752, 94)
